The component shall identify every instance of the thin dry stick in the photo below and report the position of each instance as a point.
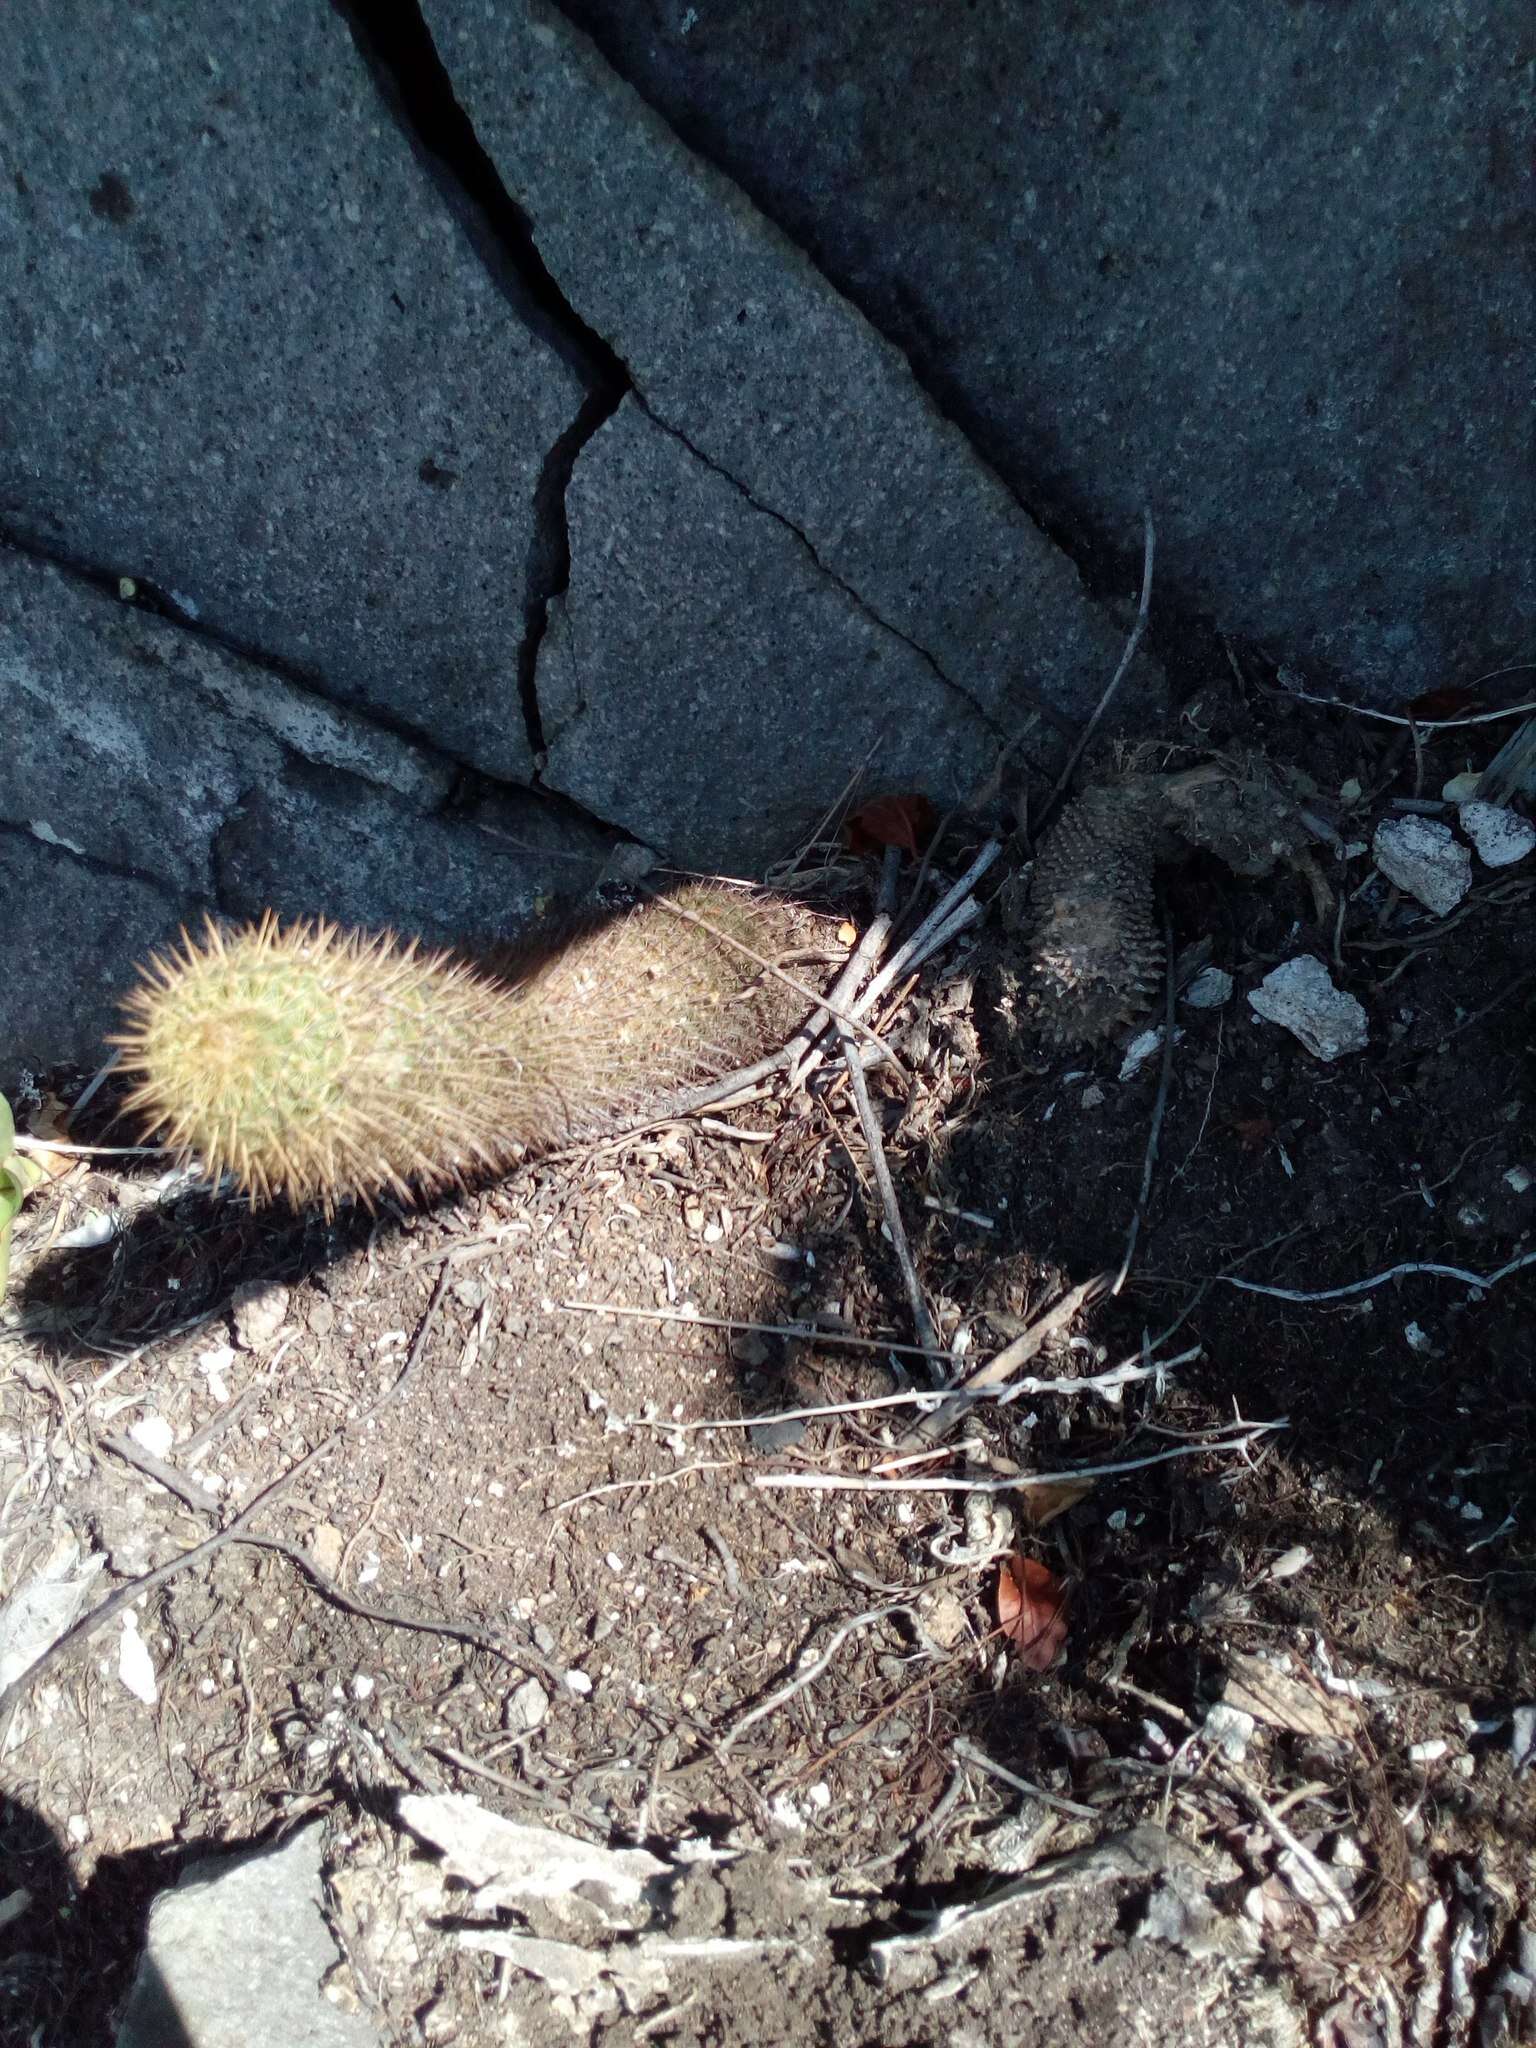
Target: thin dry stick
(1164, 1079)
(170, 1477)
(807, 1674)
(1423, 724)
(969, 1753)
(149, 1582)
(804, 1333)
(859, 962)
(1318, 1872)
(1110, 1383)
(1001, 1368)
(950, 909)
(24, 1143)
(1380, 1279)
(922, 1322)
(833, 1482)
(1148, 551)
(520, 1654)
(800, 988)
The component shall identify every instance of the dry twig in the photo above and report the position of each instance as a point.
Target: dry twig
(148, 1582)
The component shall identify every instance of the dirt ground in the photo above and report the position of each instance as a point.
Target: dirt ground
(532, 1576)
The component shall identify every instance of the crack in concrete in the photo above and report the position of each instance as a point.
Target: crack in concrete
(148, 597)
(402, 58)
(855, 596)
(549, 557)
(94, 864)
(1101, 559)
(399, 48)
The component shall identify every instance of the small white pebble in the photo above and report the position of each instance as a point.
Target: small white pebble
(154, 1434)
(578, 1683)
(1501, 836)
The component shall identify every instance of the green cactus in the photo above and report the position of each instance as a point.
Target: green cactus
(318, 1063)
(18, 1175)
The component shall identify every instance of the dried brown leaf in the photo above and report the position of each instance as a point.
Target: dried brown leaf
(1031, 1610)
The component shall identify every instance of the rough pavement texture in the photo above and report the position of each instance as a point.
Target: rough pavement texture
(236, 1956)
(149, 776)
(110, 702)
(72, 930)
(693, 621)
(307, 839)
(248, 354)
(737, 344)
(1281, 283)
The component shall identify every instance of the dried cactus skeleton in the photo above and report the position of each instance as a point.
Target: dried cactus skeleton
(320, 1064)
(1097, 951)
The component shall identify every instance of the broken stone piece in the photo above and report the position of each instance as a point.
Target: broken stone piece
(1501, 836)
(1300, 997)
(1423, 857)
(1211, 987)
(235, 1958)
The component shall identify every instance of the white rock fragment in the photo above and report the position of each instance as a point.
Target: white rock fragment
(1423, 857)
(1518, 1180)
(260, 1309)
(154, 1434)
(1461, 787)
(135, 1666)
(1300, 997)
(528, 1708)
(95, 1228)
(1501, 836)
(1290, 1562)
(1141, 1049)
(1211, 987)
(1230, 1729)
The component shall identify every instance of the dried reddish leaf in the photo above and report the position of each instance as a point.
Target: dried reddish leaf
(1031, 1610)
(1254, 1132)
(47, 1123)
(1043, 1502)
(904, 821)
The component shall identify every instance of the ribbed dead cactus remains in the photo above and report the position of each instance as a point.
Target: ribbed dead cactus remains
(1097, 952)
(324, 1064)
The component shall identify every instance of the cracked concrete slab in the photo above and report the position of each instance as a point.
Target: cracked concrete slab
(308, 841)
(131, 739)
(249, 355)
(704, 684)
(735, 341)
(149, 776)
(1282, 281)
(72, 932)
